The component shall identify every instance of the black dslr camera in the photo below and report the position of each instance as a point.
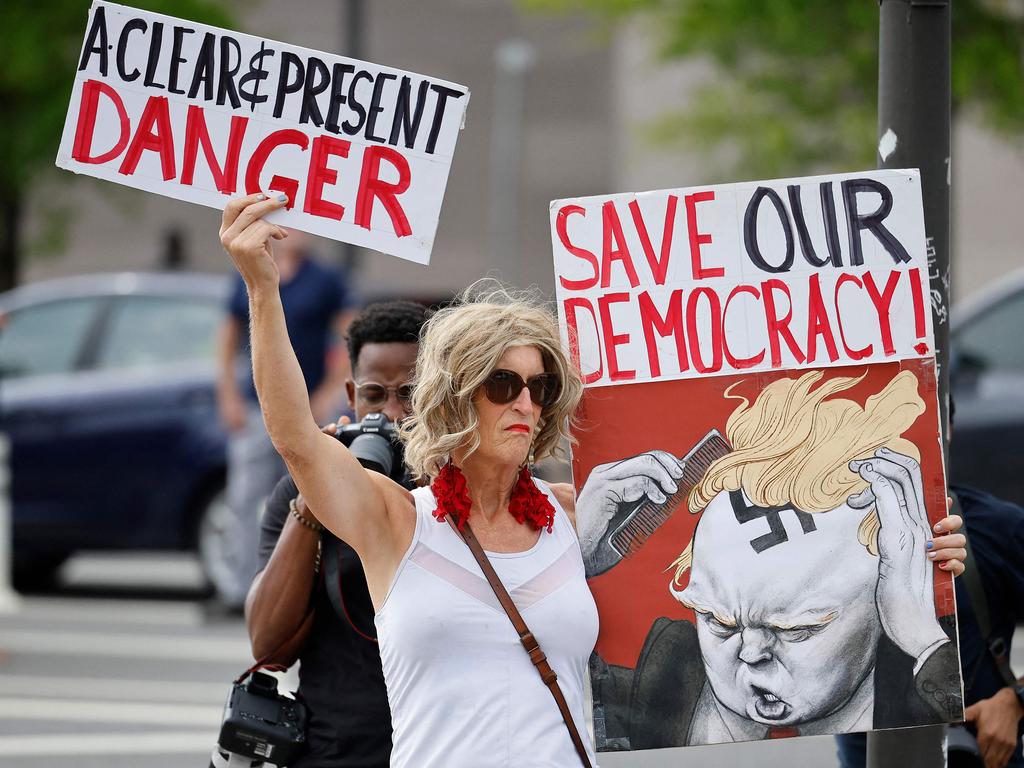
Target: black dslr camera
(260, 724)
(374, 441)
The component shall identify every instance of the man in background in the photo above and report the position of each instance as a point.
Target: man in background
(316, 307)
(309, 600)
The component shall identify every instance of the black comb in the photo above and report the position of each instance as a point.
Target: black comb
(635, 522)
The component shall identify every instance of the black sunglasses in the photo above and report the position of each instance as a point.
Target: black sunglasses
(503, 387)
(374, 394)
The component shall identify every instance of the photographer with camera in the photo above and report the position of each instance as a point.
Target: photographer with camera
(309, 600)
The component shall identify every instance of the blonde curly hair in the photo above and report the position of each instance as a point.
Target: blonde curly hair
(460, 346)
(794, 444)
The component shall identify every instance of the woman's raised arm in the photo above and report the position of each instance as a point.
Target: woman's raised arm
(348, 500)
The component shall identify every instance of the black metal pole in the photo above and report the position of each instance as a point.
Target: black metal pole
(353, 21)
(914, 132)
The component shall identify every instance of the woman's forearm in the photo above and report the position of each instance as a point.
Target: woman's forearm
(280, 385)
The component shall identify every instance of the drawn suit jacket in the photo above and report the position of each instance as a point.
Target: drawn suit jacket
(652, 705)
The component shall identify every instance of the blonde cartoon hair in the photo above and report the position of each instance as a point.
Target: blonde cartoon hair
(459, 348)
(793, 445)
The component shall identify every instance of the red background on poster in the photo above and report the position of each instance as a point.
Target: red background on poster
(621, 421)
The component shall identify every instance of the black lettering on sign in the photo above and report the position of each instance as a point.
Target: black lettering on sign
(96, 41)
(776, 530)
(256, 75)
(122, 47)
(856, 221)
(750, 230)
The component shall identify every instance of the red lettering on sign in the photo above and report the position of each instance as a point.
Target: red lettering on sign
(818, 323)
(153, 134)
(561, 224)
(697, 239)
(611, 339)
(571, 306)
(86, 125)
(882, 301)
(716, 330)
(672, 323)
(739, 363)
(372, 187)
(658, 264)
(196, 134)
(254, 169)
(324, 147)
(853, 354)
(614, 248)
(779, 327)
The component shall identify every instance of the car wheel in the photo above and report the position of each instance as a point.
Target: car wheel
(212, 542)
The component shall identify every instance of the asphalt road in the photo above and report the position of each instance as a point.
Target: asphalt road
(119, 669)
(123, 668)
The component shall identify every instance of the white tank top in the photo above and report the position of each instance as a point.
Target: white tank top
(462, 689)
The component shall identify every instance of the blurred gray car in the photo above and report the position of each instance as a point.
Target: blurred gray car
(107, 394)
(987, 384)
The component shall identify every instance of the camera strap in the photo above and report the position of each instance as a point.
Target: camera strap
(995, 646)
(332, 562)
(540, 661)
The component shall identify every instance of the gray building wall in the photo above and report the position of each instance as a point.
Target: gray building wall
(586, 101)
(564, 149)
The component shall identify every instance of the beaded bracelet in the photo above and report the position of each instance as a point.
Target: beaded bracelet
(293, 507)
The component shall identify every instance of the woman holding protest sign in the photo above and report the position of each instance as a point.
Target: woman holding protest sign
(494, 388)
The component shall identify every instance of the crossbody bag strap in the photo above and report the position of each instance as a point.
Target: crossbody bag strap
(979, 603)
(540, 661)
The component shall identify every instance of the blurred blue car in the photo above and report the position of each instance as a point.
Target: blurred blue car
(107, 395)
(987, 384)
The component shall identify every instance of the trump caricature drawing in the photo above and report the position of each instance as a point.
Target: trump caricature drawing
(794, 595)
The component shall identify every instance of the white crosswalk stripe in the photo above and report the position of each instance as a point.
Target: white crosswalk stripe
(91, 682)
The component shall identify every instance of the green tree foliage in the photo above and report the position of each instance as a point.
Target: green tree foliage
(40, 42)
(796, 81)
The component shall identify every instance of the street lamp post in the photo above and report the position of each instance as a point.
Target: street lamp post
(914, 104)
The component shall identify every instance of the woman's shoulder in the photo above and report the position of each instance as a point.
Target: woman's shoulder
(565, 495)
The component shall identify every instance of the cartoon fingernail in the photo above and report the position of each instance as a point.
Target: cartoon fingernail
(867, 467)
(885, 450)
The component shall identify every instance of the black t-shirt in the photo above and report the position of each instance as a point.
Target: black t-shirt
(340, 676)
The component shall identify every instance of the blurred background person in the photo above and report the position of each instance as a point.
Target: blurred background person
(309, 600)
(317, 303)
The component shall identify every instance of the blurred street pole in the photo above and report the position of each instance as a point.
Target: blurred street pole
(353, 22)
(9, 601)
(512, 60)
(914, 132)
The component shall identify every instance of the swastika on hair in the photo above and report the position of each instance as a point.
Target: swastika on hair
(776, 530)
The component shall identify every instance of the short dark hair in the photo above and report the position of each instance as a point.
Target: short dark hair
(383, 323)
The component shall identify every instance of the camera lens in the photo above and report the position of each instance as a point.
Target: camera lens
(374, 452)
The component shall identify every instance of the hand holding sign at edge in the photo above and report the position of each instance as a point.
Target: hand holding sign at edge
(905, 596)
(246, 237)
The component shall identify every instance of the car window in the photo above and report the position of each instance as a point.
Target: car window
(46, 337)
(992, 340)
(151, 331)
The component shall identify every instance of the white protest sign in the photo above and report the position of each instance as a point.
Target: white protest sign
(814, 272)
(202, 114)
